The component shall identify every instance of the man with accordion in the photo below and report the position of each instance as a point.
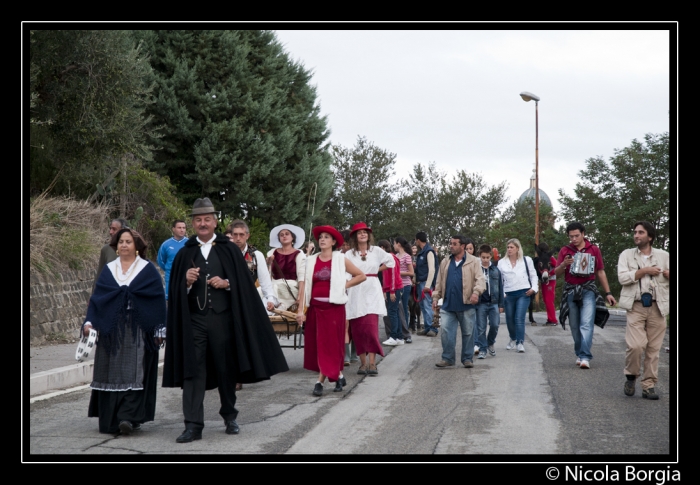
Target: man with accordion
(580, 262)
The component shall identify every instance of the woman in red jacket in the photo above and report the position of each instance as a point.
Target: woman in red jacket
(392, 286)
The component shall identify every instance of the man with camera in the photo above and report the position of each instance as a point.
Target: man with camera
(581, 262)
(644, 276)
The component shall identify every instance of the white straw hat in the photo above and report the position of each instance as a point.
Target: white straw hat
(296, 230)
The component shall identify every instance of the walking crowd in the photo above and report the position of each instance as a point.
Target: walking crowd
(214, 310)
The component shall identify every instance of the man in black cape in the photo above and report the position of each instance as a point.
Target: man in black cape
(218, 332)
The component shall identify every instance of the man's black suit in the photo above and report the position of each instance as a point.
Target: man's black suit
(216, 337)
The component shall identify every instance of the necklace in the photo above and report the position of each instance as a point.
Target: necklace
(128, 272)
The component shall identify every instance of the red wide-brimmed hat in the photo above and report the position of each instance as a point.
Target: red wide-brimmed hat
(330, 230)
(359, 226)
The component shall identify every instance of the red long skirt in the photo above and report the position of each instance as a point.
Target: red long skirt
(324, 339)
(365, 334)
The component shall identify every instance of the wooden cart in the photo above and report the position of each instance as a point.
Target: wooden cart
(285, 326)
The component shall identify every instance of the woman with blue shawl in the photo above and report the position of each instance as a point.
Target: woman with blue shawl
(127, 309)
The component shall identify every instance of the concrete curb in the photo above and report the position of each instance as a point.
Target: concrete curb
(65, 377)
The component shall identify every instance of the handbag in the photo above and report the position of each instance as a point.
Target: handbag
(294, 306)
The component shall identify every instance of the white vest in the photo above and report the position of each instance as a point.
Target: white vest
(338, 294)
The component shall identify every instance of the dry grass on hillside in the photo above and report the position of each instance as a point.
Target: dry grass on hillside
(65, 233)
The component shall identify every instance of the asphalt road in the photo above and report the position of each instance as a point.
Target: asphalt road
(536, 405)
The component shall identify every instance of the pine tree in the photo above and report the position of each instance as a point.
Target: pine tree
(88, 92)
(241, 123)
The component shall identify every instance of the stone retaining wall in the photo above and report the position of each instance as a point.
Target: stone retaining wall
(57, 305)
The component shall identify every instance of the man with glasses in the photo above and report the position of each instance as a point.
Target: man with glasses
(580, 300)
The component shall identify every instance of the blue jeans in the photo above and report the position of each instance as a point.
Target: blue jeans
(406, 295)
(449, 321)
(426, 306)
(486, 311)
(392, 311)
(581, 322)
(515, 306)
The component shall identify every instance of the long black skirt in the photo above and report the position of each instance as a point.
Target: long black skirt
(112, 407)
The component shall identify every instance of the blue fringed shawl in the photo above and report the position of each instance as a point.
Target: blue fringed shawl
(145, 299)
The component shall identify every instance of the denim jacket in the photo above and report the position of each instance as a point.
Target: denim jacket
(495, 286)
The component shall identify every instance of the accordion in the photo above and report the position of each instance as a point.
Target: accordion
(583, 265)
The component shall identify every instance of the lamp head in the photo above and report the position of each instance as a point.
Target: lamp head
(529, 96)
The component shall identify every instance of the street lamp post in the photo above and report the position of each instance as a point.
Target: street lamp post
(533, 97)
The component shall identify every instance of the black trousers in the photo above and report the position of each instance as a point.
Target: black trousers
(213, 341)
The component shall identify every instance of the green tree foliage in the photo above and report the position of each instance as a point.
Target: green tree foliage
(241, 123)
(151, 205)
(612, 196)
(362, 190)
(443, 205)
(459, 204)
(88, 93)
(428, 200)
(518, 221)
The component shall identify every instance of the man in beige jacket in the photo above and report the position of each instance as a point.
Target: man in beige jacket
(460, 283)
(644, 275)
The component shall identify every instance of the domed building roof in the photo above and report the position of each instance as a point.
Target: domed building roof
(530, 193)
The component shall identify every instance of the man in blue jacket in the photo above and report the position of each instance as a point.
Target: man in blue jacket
(426, 271)
(168, 250)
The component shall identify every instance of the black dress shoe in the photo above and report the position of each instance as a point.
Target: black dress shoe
(189, 435)
(338, 386)
(342, 381)
(125, 428)
(232, 427)
(136, 426)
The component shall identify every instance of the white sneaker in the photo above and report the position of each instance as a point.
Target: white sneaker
(400, 342)
(585, 364)
(476, 350)
(389, 341)
(578, 362)
(521, 348)
(482, 355)
(511, 345)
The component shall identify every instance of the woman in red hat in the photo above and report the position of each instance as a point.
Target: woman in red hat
(325, 294)
(366, 301)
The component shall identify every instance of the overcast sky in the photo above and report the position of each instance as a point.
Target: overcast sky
(452, 97)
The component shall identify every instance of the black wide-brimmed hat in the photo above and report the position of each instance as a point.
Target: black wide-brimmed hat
(202, 206)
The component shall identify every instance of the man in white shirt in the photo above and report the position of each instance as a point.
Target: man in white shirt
(240, 234)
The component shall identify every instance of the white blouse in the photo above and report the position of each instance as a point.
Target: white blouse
(115, 269)
(367, 297)
(515, 278)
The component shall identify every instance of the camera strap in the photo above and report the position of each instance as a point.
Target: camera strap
(651, 280)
